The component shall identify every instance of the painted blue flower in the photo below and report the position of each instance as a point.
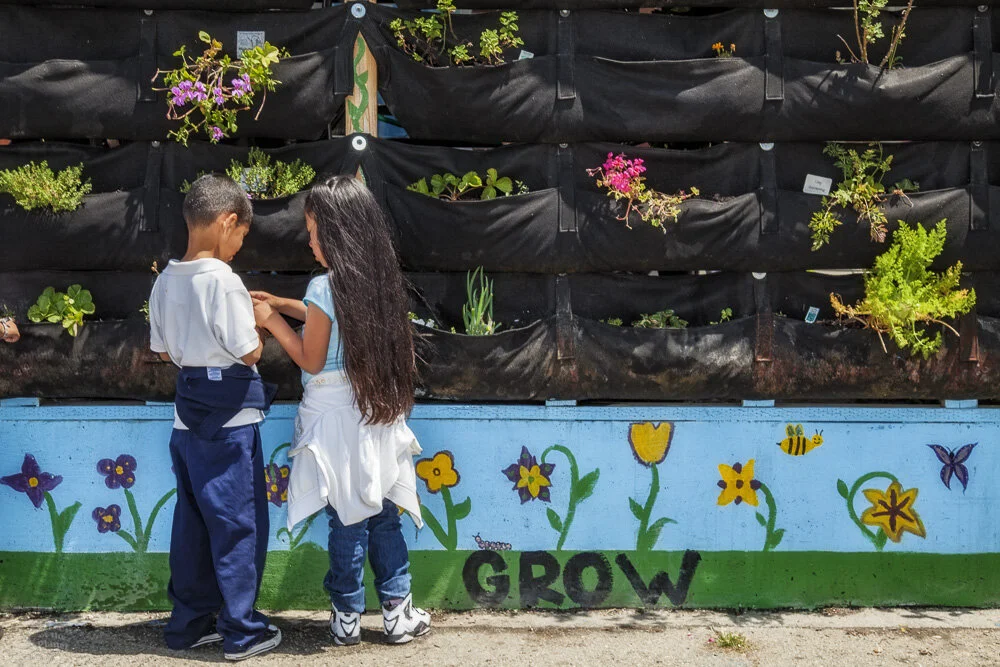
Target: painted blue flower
(32, 481)
(118, 473)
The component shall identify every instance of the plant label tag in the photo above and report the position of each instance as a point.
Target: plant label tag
(812, 314)
(525, 55)
(248, 39)
(215, 374)
(817, 185)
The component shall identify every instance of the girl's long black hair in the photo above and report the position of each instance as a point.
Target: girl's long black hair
(369, 296)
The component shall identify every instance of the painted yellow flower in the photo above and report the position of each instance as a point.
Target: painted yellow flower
(892, 511)
(650, 443)
(438, 472)
(738, 484)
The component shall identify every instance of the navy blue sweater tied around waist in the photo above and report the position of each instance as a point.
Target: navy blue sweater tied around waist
(207, 398)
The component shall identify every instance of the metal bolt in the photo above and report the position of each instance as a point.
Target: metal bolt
(564, 13)
(148, 12)
(759, 276)
(359, 143)
(767, 146)
(563, 145)
(358, 10)
(156, 144)
(770, 13)
(977, 144)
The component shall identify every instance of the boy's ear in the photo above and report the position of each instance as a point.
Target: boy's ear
(229, 222)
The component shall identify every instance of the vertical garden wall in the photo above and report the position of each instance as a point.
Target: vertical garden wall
(730, 112)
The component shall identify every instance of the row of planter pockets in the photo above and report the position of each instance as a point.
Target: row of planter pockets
(618, 76)
(87, 73)
(554, 344)
(208, 5)
(661, 5)
(752, 214)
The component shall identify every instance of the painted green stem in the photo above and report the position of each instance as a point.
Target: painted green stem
(60, 521)
(136, 521)
(140, 542)
(873, 537)
(449, 538)
(431, 521)
(579, 490)
(131, 541)
(648, 534)
(770, 534)
(152, 516)
(279, 448)
(294, 542)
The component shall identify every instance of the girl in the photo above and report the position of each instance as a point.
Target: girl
(352, 451)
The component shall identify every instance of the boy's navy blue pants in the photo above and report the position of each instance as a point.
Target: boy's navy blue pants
(219, 539)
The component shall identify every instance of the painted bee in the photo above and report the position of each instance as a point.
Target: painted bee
(797, 443)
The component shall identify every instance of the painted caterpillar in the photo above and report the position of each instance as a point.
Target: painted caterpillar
(491, 546)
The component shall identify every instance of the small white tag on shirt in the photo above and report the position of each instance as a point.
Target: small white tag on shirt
(215, 374)
(248, 39)
(817, 185)
(812, 314)
(525, 55)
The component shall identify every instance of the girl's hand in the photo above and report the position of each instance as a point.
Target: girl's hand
(266, 297)
(262, 312)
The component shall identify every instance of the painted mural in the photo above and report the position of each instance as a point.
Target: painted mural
(556, 508)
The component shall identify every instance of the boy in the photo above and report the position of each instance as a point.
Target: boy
(201, 318)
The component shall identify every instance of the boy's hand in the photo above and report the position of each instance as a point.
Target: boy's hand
(262, 312)
(265, 297)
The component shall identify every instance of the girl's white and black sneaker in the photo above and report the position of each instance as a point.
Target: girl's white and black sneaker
(267, 642)
(345, 627)
(404, 622)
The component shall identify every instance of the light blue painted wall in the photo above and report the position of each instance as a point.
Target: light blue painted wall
(69, 441)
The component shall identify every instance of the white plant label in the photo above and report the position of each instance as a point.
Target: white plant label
(525, 55)
(817, 185)
(812, 314)
(248, 39)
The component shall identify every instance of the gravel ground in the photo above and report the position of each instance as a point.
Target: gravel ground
(848, 637)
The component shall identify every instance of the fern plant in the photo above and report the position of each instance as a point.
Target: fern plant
(861, 190)
(37, 186)
(477, 313)
(903, 296)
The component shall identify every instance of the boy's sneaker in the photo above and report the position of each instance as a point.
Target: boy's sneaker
(404, 622)
(345, 627)
(210, 638)
(267, 642)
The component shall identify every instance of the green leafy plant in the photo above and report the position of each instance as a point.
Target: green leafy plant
(861, 189)
(265, 178)
(663, 319)
(5, 312)
(724, 316)
(477, 313)
(451, 187)
(431, 39)
(613, 321)
(868, 31)
(733, 641)
(144, 309)
(902, 294)
(67, 308)
(37, 186)
(204, 98)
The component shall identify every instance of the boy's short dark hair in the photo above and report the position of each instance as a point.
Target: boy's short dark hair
(213, 195)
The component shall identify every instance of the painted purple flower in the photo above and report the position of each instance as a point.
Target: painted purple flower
(32, 481)
(217, 133)
(531, 480)
(276, 478)
(118, 473)
(108, 518)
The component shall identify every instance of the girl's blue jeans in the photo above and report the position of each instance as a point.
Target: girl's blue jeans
(381, 537)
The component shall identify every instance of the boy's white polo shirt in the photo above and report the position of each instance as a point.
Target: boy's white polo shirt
(201, 314)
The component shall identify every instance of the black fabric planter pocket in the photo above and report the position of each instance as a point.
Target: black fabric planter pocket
(703, 363)
(514, 365)
(510, 102)
(707, 235)
(828, 362)
(712, 98)
(117, 295)
(214, 5)
(516, 233)
(105, 233)
(860, 102)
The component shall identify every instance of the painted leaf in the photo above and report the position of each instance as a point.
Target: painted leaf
(636, 508)
(776, 537)
(585, 487)
(880, 539)
(554, 520)
(842, 488)
(462, 509)
(653, 533)
(761, 520)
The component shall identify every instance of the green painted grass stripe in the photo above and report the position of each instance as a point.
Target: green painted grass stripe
(293, 580)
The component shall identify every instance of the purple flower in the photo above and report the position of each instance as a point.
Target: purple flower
(276, 478)
(531, 480)
(32, 481)
(118, 473)
(108, 518)
(216, 133)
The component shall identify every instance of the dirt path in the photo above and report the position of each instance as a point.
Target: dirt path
(847, 638)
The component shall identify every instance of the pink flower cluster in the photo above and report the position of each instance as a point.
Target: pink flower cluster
(621, 174)
(241, 86)
(185, 91)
